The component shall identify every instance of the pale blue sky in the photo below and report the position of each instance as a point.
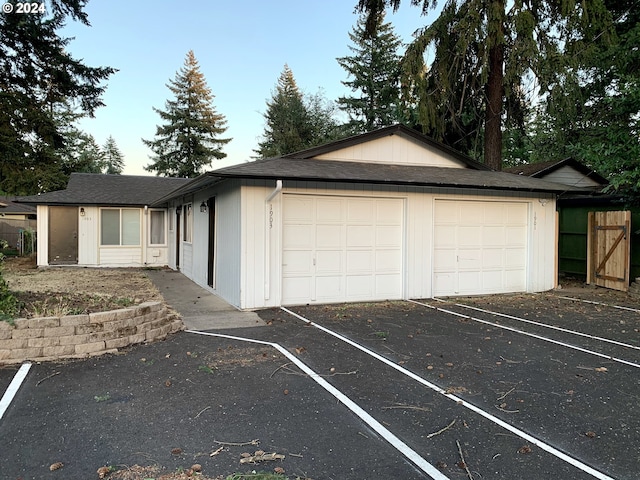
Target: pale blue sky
(241, 46)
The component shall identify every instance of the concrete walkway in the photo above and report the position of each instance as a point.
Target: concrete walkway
(199, 308)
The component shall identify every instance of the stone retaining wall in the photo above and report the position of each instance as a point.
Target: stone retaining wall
(79, 336)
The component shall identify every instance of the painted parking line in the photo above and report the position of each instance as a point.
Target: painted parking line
(619, 307)
(529, 334)
(398, 444)
(516, 431)
(540, 324)
(13, 388)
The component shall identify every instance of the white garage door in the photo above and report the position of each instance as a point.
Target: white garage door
(341, 249)
(479, 247)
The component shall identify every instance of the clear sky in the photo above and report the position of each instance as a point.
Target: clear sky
(241, 46)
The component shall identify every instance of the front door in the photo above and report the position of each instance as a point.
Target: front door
(63, 235)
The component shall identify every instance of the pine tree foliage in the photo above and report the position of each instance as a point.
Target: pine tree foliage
(485, 55)
(37, 74)
(595, 117)
(294, 122)
(374, 75)
(190, 137)
(113, 158)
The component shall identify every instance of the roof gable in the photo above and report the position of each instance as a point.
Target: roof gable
(567, 172)
(394, 145)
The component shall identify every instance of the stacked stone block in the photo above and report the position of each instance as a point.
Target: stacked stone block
(78, 336)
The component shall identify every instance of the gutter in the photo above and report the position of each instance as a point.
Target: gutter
(268, 225)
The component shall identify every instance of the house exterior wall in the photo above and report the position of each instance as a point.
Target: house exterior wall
(395, 150)
(227, 252)
(261, 235)
(92, 254)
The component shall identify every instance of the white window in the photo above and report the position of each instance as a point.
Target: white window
(119, 226)
(187, 215)
(156, 227)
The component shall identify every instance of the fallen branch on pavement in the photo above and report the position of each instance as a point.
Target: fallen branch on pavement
(255, 442)
(463, 463)
(442, 429)
(264, 457)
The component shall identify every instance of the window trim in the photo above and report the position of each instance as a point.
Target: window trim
(164, 225)
(120, 229)
(187, 223)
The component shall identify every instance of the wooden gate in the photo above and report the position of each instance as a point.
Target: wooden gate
(609, 246)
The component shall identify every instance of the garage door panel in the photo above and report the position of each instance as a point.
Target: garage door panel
(388, 236)
(360, 236)
(360, 210)
(480, 247)
(329, 210)
(329, 236)
(327, 288)
(329, 261)
(468, 235)
(388, 286)
(360, 287)
(492, 258)
(300, 209)
(349, 247)
(298, 289)
(296, 236)
(388, 260)
(359, 261)
(297, 262)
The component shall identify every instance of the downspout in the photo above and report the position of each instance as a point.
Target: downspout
(267, 238)
(145, 227)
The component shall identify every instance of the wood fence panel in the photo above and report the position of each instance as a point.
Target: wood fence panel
(609, 245)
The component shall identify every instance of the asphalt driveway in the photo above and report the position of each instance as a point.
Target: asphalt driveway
(544, 404)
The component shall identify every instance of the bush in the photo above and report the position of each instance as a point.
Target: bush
(8, 302)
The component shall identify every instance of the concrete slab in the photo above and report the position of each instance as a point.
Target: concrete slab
(199, 308)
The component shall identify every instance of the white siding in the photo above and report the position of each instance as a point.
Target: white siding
(567, 175)
(43, 235)
(120, 257)
(88, 240)
(396, 150)
(261, 279)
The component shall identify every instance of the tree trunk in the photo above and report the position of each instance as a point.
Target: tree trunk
(494, 87)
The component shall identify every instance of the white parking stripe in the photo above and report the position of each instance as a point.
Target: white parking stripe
(398, 444)
(533, 335)
(620, 307)
(540, 324)
(544, 446)
(15, 384)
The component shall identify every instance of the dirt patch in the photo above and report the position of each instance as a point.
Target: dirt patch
(75, 290)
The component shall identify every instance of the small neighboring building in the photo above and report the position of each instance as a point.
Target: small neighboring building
(567, 172)
(390, 214)
(104, 221)
(15, 219)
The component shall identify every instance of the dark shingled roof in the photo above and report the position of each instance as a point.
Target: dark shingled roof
(377, 173)
(99, 189)
(10, 207)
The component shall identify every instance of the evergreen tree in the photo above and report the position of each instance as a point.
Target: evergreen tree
(295, 122)
(484, 53)
(374, 74)
(596, 116)
(189, 139)
(37, 75)
(113, 159)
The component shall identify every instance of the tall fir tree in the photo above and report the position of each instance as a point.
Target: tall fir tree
(483, 54)
(373, 76)
(37, 76)
(113, 158)
(189, 139)
(294, 122)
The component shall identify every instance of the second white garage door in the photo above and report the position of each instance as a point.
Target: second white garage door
(341, 249)
(479, 247)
